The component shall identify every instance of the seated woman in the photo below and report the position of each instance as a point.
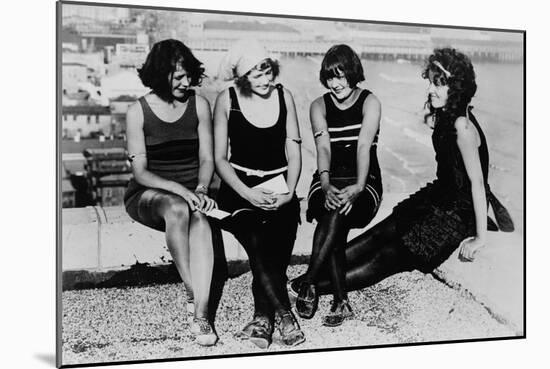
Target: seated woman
(449, 213)
(346, 189)
(170, 146)
(257, 121)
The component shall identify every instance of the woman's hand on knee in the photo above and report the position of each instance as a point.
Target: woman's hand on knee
(347, 196)
(205, 202)
(346, 208)
(192, 200)
(332, 199)
(350, 193)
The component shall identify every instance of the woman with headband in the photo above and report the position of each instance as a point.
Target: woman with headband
(449, 213)
(170, 146)
(256, 140)
(347, 187)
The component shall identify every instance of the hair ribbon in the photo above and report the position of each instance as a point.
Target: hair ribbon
(445, 71)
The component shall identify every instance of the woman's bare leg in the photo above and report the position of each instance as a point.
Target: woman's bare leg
(201, 259)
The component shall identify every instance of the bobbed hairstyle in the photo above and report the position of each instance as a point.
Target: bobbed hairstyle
(341, 60)
(449, 67)
(243, 83)
(161, 62)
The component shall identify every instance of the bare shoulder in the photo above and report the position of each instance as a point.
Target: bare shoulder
(202, 103)
(372, 102)
(135, 113)
(466, 132)
(318, 104)
(223, 97)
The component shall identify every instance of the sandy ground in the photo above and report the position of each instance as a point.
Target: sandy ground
(146, 323)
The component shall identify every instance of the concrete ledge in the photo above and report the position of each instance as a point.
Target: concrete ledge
(495, 279)
(103, 247)
(100, 239)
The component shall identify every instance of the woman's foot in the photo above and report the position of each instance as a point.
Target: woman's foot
(289, 329)
(203, 332)
(259, 331)
(339, 311)
(292, 288)
(307, 301)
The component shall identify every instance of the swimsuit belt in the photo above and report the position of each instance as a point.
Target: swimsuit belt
(257, 172)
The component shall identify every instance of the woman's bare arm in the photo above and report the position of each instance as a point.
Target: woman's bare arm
(137, 151)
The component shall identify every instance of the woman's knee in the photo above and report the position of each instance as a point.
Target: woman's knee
(200, 226)
(199, 219)
(382, 232)
(175, 210)
(333, 215)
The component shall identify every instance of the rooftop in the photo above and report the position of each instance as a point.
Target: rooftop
(86, 110)
(247, 26)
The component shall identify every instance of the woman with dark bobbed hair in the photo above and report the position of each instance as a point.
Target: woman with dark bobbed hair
(347, 187)
(449, 213)
(170, 145)
(257, 142)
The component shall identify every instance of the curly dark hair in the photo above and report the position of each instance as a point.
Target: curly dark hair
(243, 83)
(341, 59)
(161, 62)
(461, 82)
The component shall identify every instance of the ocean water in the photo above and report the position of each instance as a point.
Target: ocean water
(405, 151)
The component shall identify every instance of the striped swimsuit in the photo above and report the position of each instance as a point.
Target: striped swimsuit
(344, 127)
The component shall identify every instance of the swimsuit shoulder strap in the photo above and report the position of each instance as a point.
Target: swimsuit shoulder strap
(233, 98)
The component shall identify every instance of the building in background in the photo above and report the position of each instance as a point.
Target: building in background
(123, 83)
(95, 13)
(86, 121)
(119, 107)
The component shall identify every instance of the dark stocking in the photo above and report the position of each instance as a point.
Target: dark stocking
(371, 257)
(328, 251)
(253, 234)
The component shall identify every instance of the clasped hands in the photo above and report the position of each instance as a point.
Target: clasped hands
(341, 199)
(266, 199)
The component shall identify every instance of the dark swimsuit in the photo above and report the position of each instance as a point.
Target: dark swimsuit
(172, 151)
(256, 149)
(433, 222)
(343, 128)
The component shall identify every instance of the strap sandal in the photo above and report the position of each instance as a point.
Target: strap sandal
(307, 301)
(261, 333)
(339, 311)
(258, 331)
(289, 329)
(203, 332)
(292, 290)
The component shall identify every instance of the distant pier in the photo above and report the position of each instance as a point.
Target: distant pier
(387, 49)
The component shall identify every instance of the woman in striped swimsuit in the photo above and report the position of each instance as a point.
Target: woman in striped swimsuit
(170, 146)
(257, 139)
(347, 188)
(449, 213)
